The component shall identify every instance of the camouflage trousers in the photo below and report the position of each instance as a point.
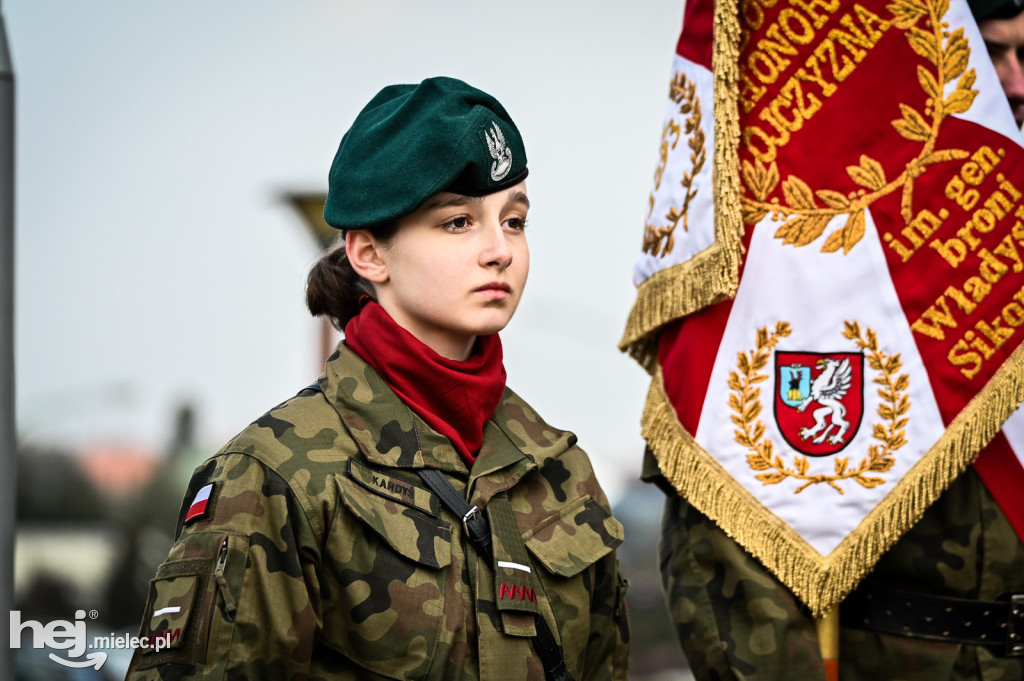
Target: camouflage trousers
(736, 622)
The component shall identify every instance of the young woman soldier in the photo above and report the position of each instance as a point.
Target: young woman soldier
(407, 516)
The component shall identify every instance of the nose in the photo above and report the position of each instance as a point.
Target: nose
(496, 250)
(1011, 77)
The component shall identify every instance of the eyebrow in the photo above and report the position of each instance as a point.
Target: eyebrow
(449, 199)
(519, 197)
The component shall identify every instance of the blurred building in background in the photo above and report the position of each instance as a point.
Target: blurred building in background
(92, 526)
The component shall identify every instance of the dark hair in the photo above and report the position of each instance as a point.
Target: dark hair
(334, 288)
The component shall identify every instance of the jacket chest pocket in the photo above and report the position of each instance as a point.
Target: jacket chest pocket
(385, 572)
(567, 543)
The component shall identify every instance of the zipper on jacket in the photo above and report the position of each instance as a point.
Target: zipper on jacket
(228, 601)
(222, 558)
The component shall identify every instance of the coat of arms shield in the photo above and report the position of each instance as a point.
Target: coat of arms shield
(819, 399)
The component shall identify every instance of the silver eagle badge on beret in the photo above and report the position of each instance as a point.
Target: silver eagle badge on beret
(500, 152)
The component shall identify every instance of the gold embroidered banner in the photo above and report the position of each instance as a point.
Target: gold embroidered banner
(832, 310)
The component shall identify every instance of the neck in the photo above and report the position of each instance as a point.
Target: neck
(459, 351)
(456, 346)
(454, 396)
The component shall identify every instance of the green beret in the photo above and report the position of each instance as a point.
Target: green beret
(995, 9)
(413, 141)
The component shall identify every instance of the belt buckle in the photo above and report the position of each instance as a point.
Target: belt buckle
(1015, 627)
(472, 513)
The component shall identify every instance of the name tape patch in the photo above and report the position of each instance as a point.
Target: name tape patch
(393, 487)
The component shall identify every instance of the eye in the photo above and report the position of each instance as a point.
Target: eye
(516, 224)
(459, 223)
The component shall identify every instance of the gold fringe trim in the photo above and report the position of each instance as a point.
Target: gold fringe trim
(821, 582)
(713, 274)
(726, 169)
(673, 293)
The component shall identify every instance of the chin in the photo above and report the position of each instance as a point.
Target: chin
(488, 328)
(492, 323)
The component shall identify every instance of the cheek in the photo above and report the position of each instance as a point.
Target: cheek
(1004, 66)
(416, 282)
(523, 258)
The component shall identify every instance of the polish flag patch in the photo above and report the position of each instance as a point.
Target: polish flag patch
(197, 510)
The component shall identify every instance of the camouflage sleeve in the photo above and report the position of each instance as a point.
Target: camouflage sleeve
(606, 655)
(735, 621)
(608, 649)
(238, 595)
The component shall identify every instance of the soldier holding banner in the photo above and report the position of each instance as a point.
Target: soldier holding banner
(831, 306)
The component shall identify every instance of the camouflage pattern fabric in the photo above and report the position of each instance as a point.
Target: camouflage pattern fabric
(322, 554)
(737, 622)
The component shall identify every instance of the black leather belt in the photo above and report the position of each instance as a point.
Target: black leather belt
(996, 624)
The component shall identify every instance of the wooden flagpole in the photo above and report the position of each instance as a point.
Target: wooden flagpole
(828, 642)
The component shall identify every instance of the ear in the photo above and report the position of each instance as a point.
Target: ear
(364, 253)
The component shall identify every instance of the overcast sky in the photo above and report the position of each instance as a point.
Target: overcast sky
(157, 263)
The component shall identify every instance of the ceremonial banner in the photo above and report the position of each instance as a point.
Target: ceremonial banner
(831, 289)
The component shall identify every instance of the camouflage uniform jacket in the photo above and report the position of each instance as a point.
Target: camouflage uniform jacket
(321, 554)
(737, 622)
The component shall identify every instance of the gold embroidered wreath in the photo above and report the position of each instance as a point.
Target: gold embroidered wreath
(659, 241)
(745, 402)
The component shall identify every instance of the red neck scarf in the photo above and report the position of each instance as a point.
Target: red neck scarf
(455, 398)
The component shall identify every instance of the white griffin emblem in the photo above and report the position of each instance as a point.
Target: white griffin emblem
(827, 390)
(500, 152)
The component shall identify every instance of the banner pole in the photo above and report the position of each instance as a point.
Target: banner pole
(828, 642)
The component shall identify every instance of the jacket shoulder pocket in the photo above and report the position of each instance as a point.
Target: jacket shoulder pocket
(574, 537)
(192, 600)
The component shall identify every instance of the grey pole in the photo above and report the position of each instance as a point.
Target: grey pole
(8, 468)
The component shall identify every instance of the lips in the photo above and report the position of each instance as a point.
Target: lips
(495, 286)
(495, 290)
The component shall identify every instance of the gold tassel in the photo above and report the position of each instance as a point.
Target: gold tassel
(673, 293)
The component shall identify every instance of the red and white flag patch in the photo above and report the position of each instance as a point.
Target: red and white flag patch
(200, 505)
